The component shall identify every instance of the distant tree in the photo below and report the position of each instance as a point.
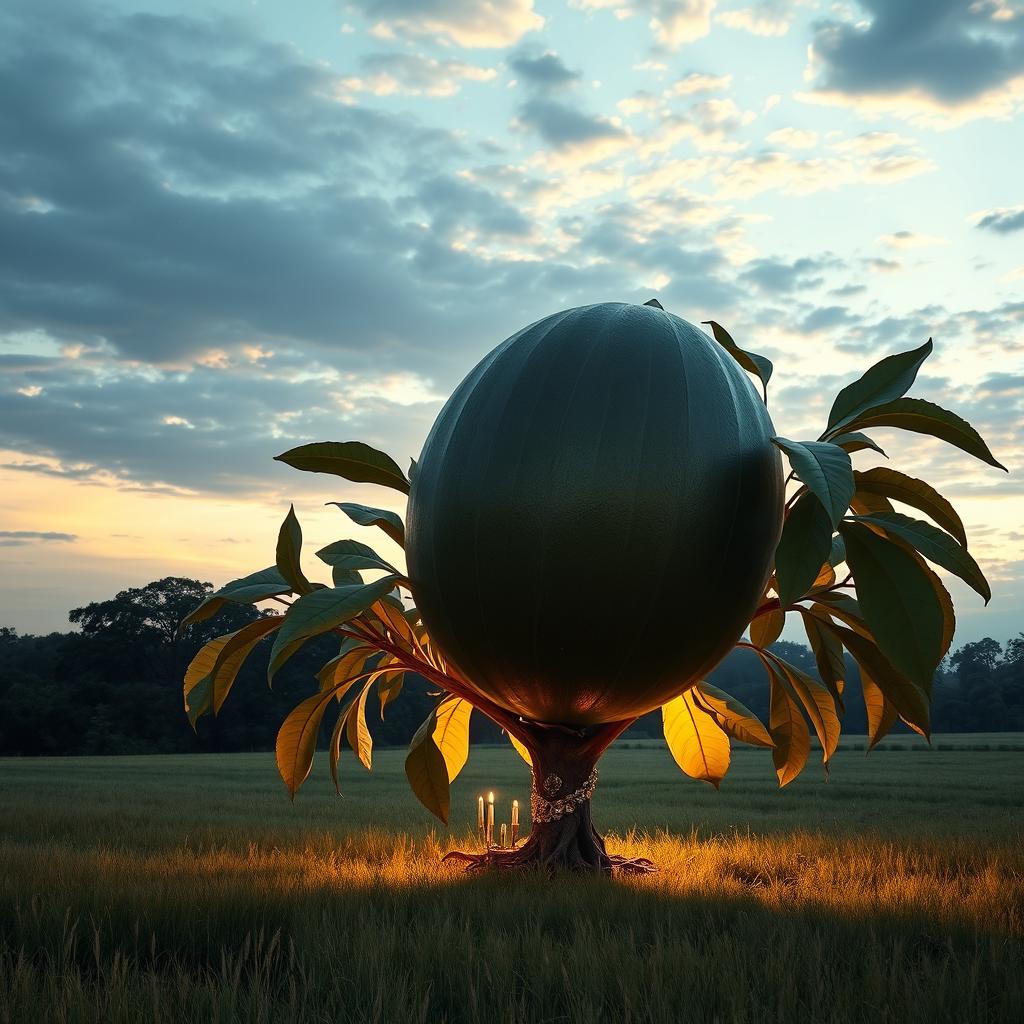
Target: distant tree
(139, 626)
(1014, 653)
(978, 656)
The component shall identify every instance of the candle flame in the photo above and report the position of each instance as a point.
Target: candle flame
(490, 798)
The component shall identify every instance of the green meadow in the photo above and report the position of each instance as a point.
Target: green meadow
(190, 889)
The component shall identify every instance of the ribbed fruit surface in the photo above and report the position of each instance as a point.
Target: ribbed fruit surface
(594, 513)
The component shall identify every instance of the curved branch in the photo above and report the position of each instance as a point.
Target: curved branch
(460, 688)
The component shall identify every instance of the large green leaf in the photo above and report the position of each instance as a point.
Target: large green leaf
(837, 552)
(921, 417)
(910, 491)
(825, 469)
(390, 522)
(803, 548)
(935, 544)
(697, 743)
(198, 700)
(888, 379)
(289, 552)
(910, 700)
(787, 727)
(755, 364)
(945, 602)
(352, 460)
(828, 653)
(427, 771)
(258, 586)
(899, 604)
(732, 716)
(349, 555)
(865, 503)
(843, 607)
(321, 611)
(345, 577)
(856, 442)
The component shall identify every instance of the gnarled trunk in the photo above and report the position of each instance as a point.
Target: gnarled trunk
(562, 834)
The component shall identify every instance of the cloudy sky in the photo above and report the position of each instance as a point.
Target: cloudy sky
(227, 228)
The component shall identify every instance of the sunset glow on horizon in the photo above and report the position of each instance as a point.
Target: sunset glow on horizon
(232, 233)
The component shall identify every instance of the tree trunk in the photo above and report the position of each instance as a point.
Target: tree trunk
(562, 835)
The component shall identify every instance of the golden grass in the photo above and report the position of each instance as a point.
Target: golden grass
(949, 885)
(190, 890)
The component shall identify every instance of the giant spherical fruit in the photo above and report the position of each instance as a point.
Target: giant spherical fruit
(593, 517)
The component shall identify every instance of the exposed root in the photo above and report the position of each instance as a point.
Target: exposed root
(562, 837)
(570, 844)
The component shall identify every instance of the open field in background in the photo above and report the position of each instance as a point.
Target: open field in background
(190, 889)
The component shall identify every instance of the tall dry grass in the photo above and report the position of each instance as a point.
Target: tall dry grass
(203, 906)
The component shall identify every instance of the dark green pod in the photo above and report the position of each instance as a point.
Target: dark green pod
(593, 517)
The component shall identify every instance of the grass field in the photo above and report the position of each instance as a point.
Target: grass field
(190, 889)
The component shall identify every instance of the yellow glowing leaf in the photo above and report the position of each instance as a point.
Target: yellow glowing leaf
(520, 749)
(234, 653)
(737, 720)
(818, 703)
(451, 733)
(349, 662)
(395, 622)
(695, 740)
(427, 771)
(334, 747)
(767, 628)
(358, 735)
(198, 703)
(296, 740)
(881, 713)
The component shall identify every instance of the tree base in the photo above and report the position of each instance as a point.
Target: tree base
(530, 857)
(563, 837)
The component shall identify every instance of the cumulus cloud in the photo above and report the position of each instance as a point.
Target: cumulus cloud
(573, 135)
(793, 138)
(767, 18)
(1002, 220)
(411, 74)
(469, 23)
(672, 22)
(543, 70)
(939, 62)
(697, 82)
(783, 277)
(775, 170)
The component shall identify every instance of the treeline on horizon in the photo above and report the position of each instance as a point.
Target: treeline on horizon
(114, 686)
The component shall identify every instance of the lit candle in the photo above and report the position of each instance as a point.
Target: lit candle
(480, 814)
(515, 821)
(504, 835)
(490, 819)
